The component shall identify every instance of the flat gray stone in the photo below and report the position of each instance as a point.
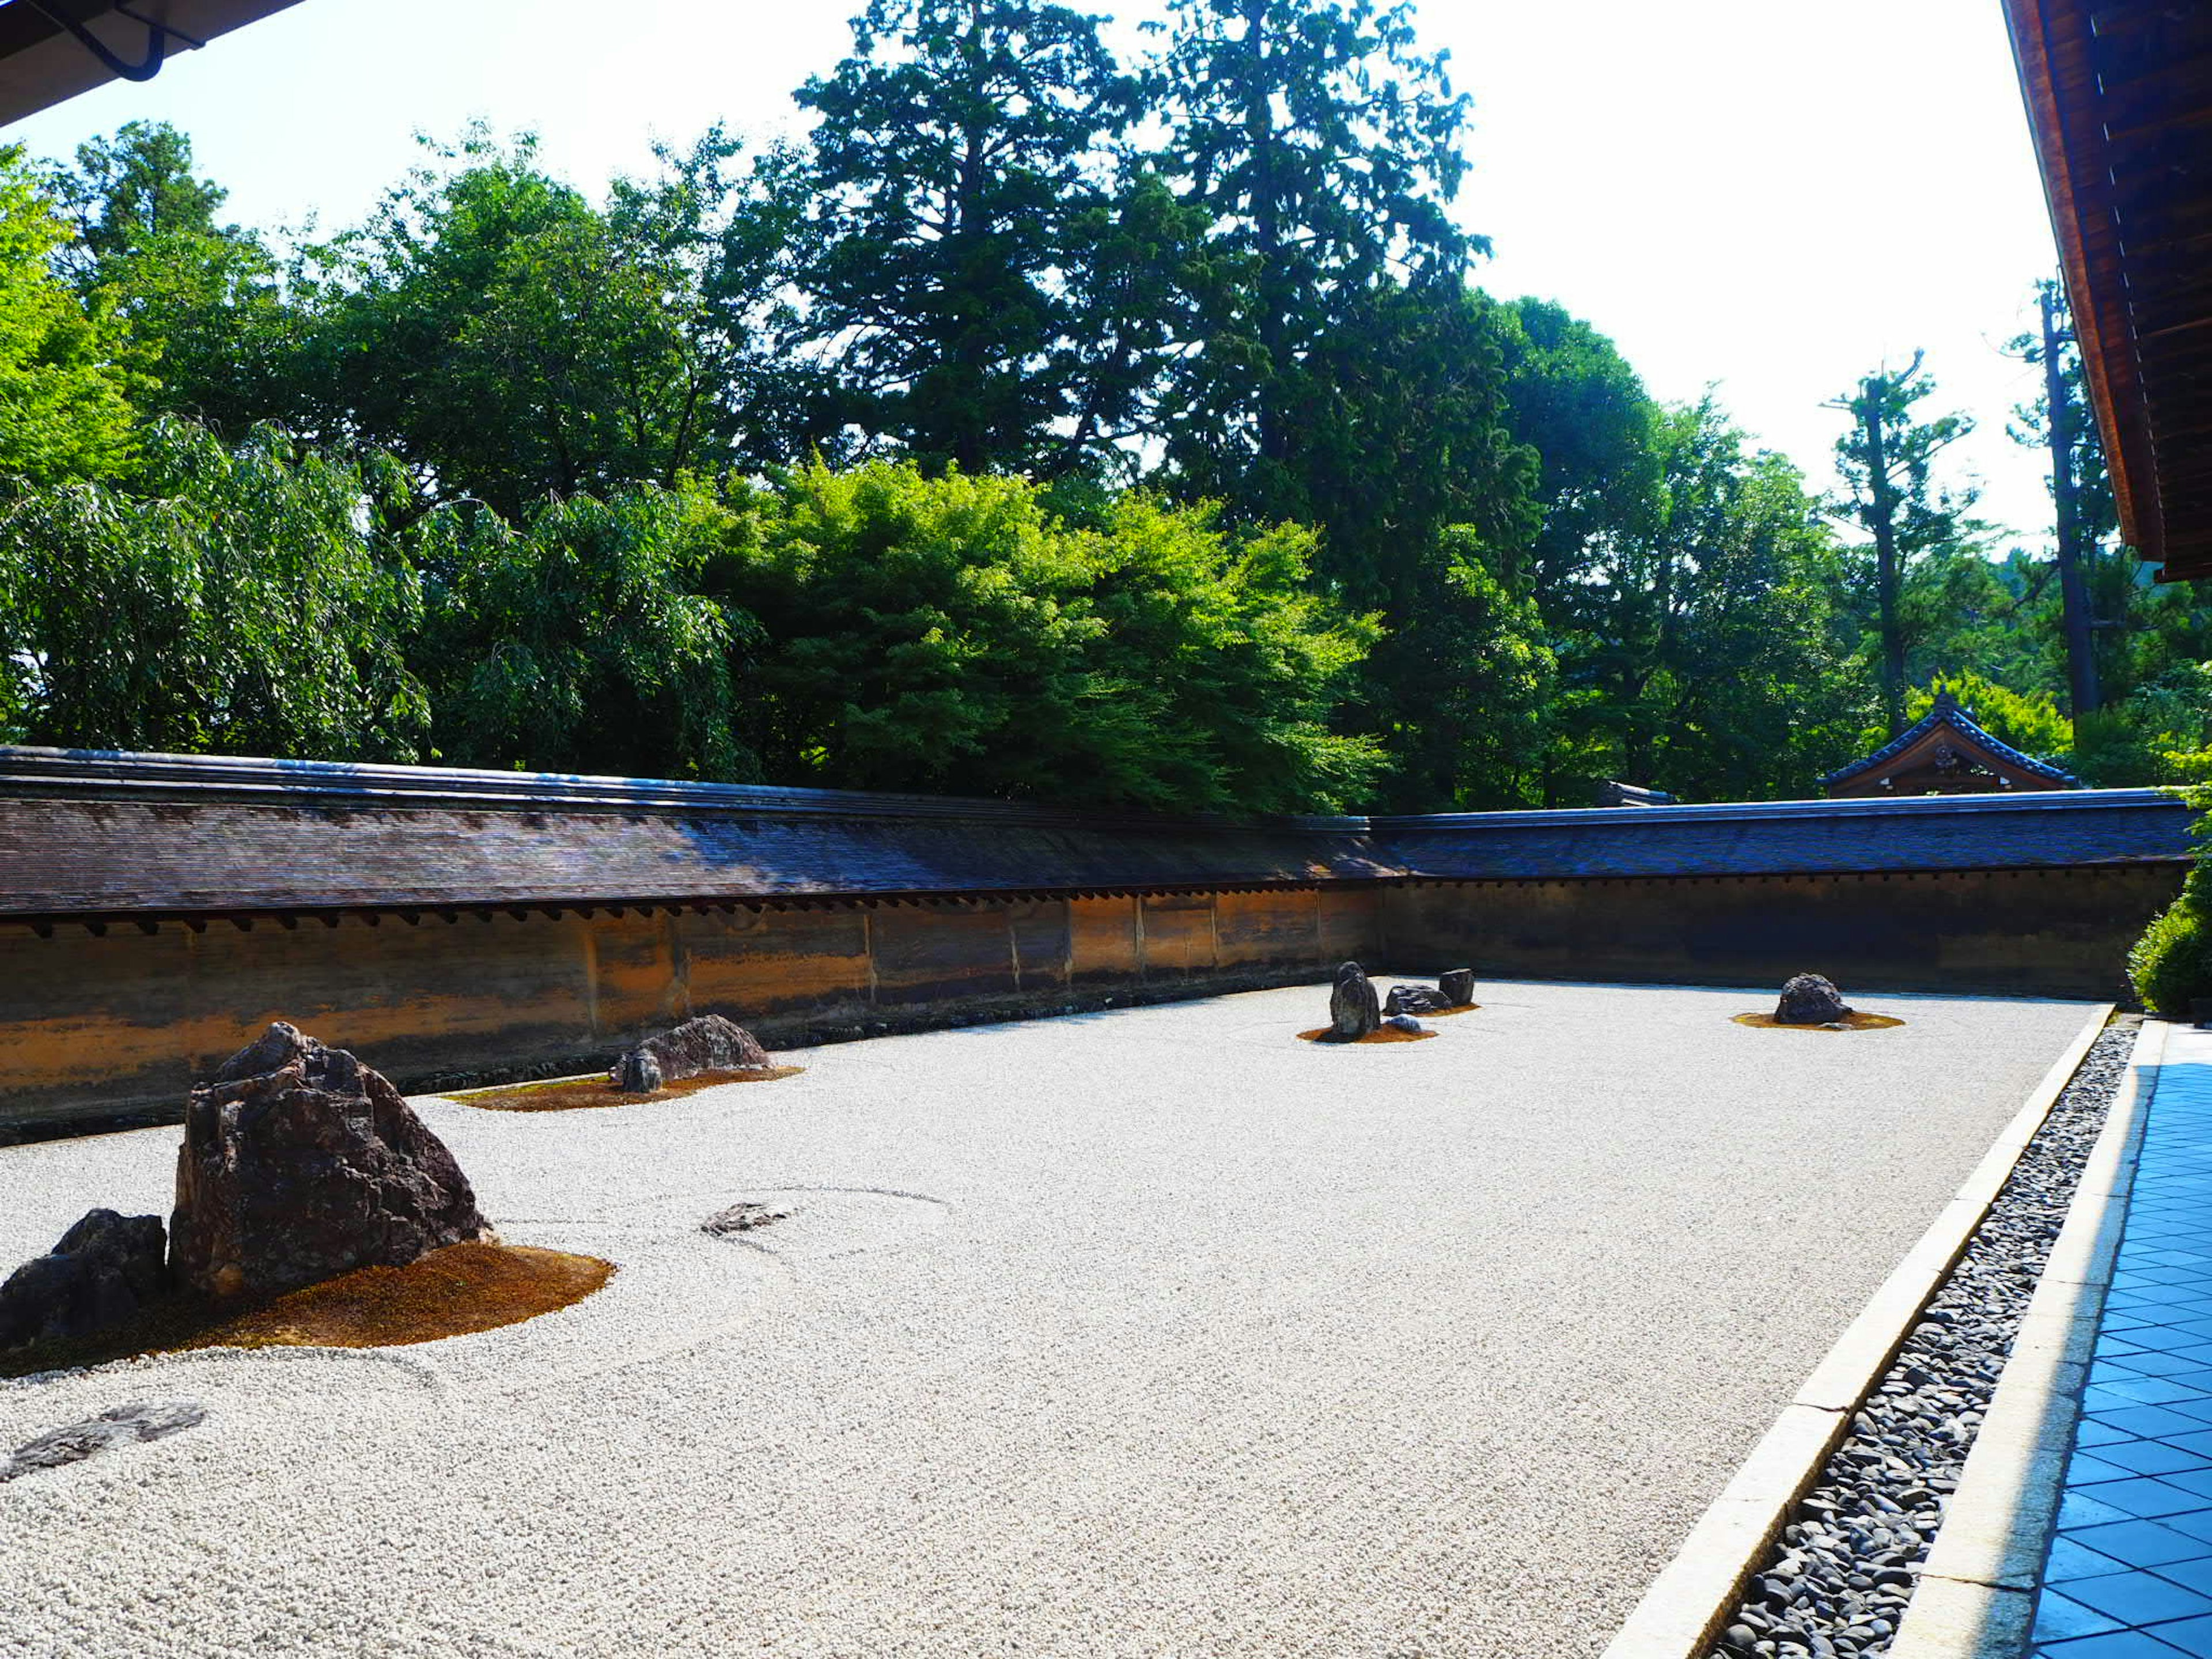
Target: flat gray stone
(118, 1425)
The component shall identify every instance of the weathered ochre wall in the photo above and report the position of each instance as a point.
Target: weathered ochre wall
(2061, 932)
(92, 1025)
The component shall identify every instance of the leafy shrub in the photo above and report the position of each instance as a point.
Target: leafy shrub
(2171, 962)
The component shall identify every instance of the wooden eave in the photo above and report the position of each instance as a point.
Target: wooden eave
(2119, 104)
(42, 62)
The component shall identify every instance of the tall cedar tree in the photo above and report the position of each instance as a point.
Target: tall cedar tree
(974, 288)
(1324, 150)
(1887, 460)
(2058, 420)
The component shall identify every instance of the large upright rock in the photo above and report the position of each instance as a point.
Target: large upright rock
(1353, 1012)
(1457, 985)
(1809, 999)
(708, 1044)
(300, 1163)
(106, 1268)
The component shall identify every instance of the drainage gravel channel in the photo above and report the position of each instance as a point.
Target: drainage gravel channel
(1835, 1583)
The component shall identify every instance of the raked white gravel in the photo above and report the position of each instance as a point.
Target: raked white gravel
(1153, 1332)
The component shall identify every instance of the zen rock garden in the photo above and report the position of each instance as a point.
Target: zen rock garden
(841, 1360)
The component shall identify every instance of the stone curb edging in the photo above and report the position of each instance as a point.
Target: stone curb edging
(1977, 1591)
(1680, 1615)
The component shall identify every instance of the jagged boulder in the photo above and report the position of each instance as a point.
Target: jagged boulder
(1457, 985)
(708, 1044)
(1353, 1012)
(105, 1269)
(299, 1164)
(1809, 999)
(1413, 1000)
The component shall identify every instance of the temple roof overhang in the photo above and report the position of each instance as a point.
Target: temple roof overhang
(52, 50)
(2119, 102)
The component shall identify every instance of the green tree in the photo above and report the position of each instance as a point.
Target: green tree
(582, 639)
(1888, 460)
(1324, 150)
(2083, 511)
(64, 380)
(215, 335)
(509, 340)
(254, 601)
(953, 634)
(1699, 643)
(976, 287)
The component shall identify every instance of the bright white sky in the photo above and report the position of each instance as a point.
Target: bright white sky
(1767, 196)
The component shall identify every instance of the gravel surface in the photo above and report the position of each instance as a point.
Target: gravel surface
(1150, 1333)
(1839, 1580)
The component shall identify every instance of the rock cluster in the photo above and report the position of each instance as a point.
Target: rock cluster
(1809, 999)
(708, 1044)
(1837, 1582)
(105, 1269)
(1353, 1012)
(300, 1163)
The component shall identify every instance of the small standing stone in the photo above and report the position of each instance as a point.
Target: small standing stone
(1810, 999)
(105, 1269)
(1457, 985)
(1353, 1012)
(636, 1073)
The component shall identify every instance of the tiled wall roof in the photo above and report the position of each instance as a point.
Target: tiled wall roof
(119, 834)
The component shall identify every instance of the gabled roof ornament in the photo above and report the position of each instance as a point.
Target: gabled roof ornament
(1945, 752)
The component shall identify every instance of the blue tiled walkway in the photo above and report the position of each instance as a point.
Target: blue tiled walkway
(2129, 1575)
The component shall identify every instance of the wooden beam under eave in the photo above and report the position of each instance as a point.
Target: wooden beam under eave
(2050, 49)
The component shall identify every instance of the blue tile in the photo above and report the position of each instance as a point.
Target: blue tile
(2089, 1470)
(2150, 1421)
(2153, 1363)
(2143, 1543)
(2101, 1397)
(2190, 1575)
(2152, 1499)
(2152, 1457)
(2193, 1636)
(2077, 1510)
(2197, 1525)
(2071, 1561)
(2198, 1480)
(2139, 1598)
(2090, 1432)
(2120, 1645)
(2056, 1618)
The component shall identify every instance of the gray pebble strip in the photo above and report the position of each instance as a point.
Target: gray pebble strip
(1836, 1584)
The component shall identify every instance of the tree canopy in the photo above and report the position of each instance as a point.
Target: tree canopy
(1048, 419)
